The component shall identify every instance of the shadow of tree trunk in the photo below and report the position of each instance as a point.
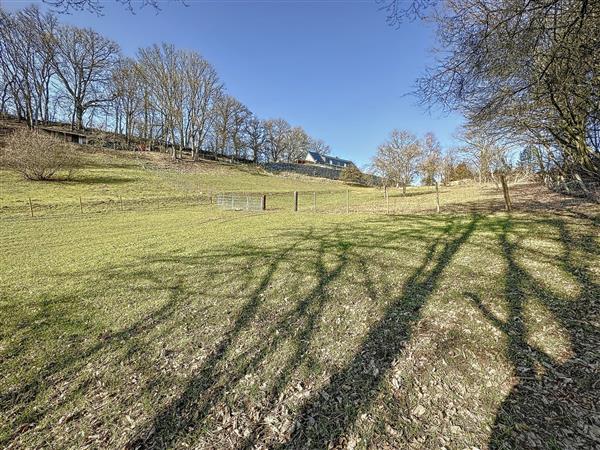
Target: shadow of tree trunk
(552, 405)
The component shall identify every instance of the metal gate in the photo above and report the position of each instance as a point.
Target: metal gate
(240, 202)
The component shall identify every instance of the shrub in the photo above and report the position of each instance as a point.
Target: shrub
(352, 175)
(38, 156)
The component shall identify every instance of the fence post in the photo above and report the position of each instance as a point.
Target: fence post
(295, 201)
(385, 191)
(347, 201)
(437, 197)
(263, 202)
(506, 193)
(121, 202)
(314, 202)
(31, 206)
(80, 205)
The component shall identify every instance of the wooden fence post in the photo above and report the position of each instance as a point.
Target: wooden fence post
(263, 202)
(295, 201)
(121, 202)
(314, 202)
(437, 197)
(31, 206)
(506, 193)
(80, 205)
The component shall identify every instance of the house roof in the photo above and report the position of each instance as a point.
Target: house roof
(326, 159)
(316, 157)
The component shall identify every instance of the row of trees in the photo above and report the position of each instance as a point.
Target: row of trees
(164, 97)
(526, 73)
(403, 158)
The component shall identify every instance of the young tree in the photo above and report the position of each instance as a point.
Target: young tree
(398, 158)
(431, 161)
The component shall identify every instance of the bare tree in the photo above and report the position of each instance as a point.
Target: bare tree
(84, 62)
(398, 158)
(240, 117)
(128, 96)
(431, 161)
(277, 139)
(448, 165)
(38, 156)
(204, 89)
(319, 146)
(298, 144)
(97, 6)
(230, 117)
(527, 70)
(159, 67)
(25, 62)
(486, 154)
(256, 137)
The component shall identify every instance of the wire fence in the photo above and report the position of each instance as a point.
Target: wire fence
(240, 202)
(356, 200)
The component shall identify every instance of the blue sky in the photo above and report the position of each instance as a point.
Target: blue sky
(334, 67)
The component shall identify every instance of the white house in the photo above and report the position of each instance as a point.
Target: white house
(326, 160)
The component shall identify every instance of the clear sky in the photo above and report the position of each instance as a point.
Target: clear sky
(333, 67)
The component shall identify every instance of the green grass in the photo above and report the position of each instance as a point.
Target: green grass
(111, 181)
(194, 327)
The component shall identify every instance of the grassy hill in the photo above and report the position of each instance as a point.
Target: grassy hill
(151, 180)
(187, 326)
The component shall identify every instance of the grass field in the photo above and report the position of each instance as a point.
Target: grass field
(111, 181)
(191, 327)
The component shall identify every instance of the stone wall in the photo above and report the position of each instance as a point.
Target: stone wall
(311, 170)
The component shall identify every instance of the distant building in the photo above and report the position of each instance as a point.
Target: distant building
(326, 160)
(65, 135)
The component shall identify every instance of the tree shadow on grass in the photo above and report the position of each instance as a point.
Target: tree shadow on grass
(80, 179)
(209, 385)
(553, 404)
(254, 269)
(20, 400)
(329, 413)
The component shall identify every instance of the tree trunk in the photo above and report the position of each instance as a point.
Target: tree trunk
(79, 117)
(506, 193)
